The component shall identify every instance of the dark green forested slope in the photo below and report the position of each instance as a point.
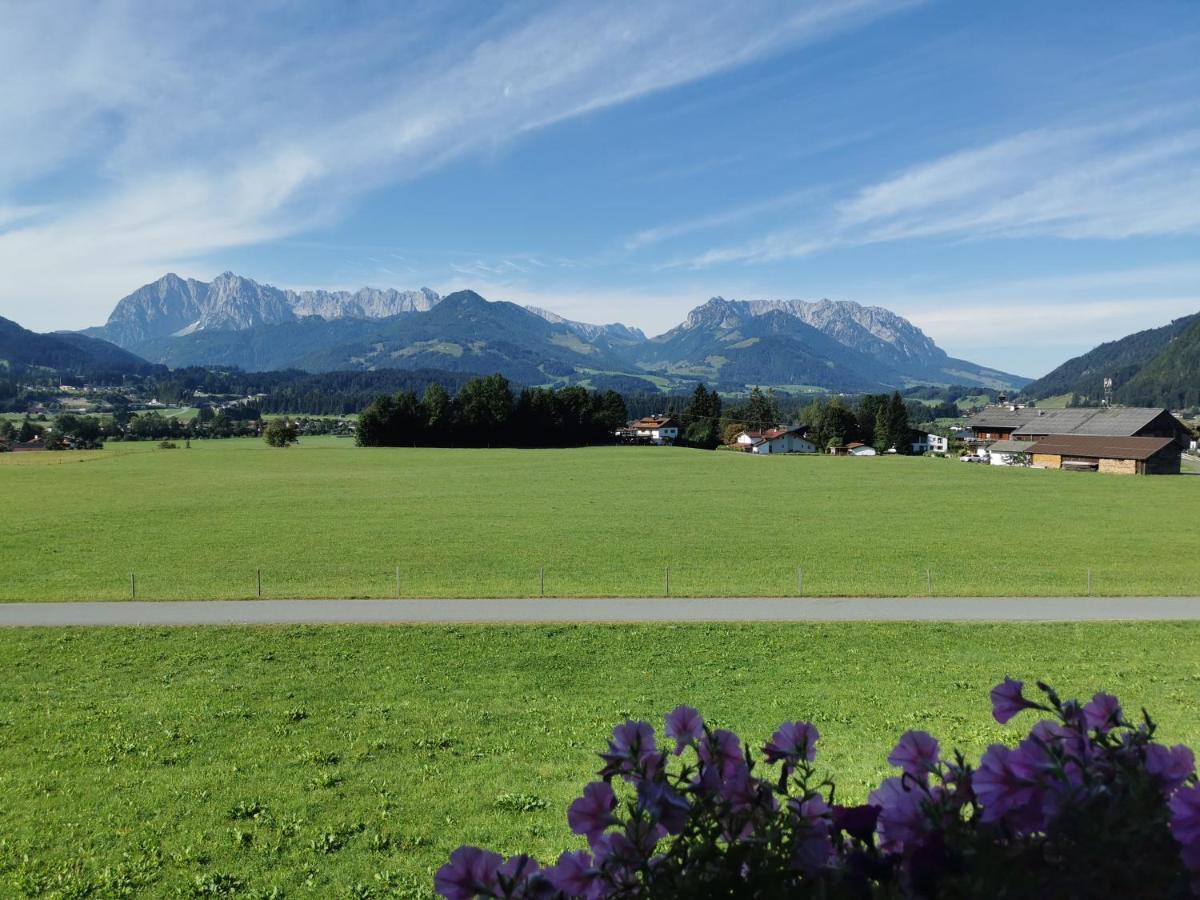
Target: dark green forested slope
(1133, 362)
(1172, 378)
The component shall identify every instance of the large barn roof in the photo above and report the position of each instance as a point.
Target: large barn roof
(1101, 446)
(1123, 421)
(1001, 417)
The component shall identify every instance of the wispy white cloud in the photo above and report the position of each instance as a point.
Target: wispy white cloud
(1126, 177)
(188, 129)
(717, 220)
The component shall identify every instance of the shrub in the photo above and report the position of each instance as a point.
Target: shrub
(1086, 805)
(280, 433)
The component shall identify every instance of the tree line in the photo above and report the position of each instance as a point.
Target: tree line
(881, 420)
(487, 412)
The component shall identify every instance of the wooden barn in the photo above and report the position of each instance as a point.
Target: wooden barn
(1115, 455)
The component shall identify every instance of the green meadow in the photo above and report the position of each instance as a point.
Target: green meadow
(327, 519)
(340, 762)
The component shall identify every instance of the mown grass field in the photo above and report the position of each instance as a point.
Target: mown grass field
(347, 762)
(326, 519)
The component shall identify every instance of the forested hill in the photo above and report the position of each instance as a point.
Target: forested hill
(1156, 367)
(1172, 378)
(67, 353)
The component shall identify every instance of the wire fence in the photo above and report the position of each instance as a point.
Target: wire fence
(667, 580)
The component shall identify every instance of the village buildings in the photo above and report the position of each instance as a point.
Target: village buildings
(1119, 440)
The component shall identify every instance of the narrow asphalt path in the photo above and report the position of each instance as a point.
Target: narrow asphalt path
(758, 609)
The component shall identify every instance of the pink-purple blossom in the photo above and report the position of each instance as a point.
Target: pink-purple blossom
(592, 813)
(792, 743)
(1185, 824)
(1002, 783)
(1170, 767)
(902, 820)
(576, 876)
(722, 751)
(664, 804)
(1103, 712)
(469, 873)
(1007, 700)
(685, 726)
(917, 754)
(630, 741)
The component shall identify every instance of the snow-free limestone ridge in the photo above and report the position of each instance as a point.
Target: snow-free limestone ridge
(236, 321)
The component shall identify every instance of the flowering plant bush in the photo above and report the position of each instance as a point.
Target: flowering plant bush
(1086, 805)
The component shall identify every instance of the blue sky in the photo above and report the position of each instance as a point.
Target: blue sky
(1020, 179)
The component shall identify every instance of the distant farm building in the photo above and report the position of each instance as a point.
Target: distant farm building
(650, 430)
(1151, 439)
(1030, 424)
(1121, 456)
(775, 440)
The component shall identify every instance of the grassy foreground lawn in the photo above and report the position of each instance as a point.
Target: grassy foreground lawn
(326, 519)
(319, 761)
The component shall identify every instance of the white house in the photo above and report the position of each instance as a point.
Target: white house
(775, 440)
(655, 429)
(857, 449)
(930, 443)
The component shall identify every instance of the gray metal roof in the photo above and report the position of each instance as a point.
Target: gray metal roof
(1120, 421)
(1001, 417)
(1117, 422)
(1010, 447)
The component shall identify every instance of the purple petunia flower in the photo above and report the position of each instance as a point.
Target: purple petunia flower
(629, 743)
(1002, 783)
(916, 753)
(592, 813)
(901, 820)
(665, 805)
(813, 852)
(1007, 700)
(517, 872)
(469, 873)
(722, 753)
(685, 726)
(812, 809)
(856, 821)
(576, 876)
(793, 742)
(1185, 824)
(1102, 713)
(1170, 767)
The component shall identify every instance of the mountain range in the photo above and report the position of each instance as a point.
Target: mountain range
(1156, 367)
(235, 321)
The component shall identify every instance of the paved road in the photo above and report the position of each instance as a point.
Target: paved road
(776, 609)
